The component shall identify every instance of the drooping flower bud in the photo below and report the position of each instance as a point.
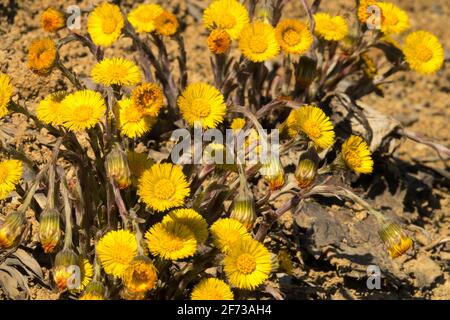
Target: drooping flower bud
(94, 291)
(49, 230)
(306, 72)
(243, 209)
(273, 172)
(11, 229)
(307, 168)
(395, 239)
(117, 167)
(67, 271)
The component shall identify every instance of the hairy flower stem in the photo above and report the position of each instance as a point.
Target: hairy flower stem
(69, 74)
(120, 203)
(67, 214)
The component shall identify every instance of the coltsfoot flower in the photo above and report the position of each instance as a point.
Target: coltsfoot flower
(227, 233)
(218, 41)
(49, 110)
(314, 123)
(258, 42)
(293, 36)
(166, 24)
(116, 165)
(202, 103)
(143, 17)
(105, 24)
(116, 250)
(42, 56)
(423, 52)
(52, 20)
(393, 19)
(149, 97)
(49, 230)
(10, 175)
(94, 291)
(116, 71)
(191, 219)
(247, 264)
(140, 276)
(356, 155)
(212, 289)
(228, 15)
(82, 110)
(163, 186)
(171, 240)
(330, 28)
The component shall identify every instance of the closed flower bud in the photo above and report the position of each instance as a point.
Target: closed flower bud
(94, 291)
(273, 172)
(244, 211)
(117, 167)
(11, 229)
(67, 270)
(49, 230)
(307, 168)
(395, 239)
(306, 72)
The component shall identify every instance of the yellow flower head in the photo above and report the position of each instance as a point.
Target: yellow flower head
(201, 102)
(218, 41)
(94, 291)
(227, 233)
(212, 289)
(6, 90)
(330, 28)
(166, 24)
(140, 276)
(423, 52)
(117, 71)
(191, 219)
(393, 19)
(42, 56)
(258, 42)
(52, 20)
(10, 174)
(116, 251)
(171, 241)
(131, 119)
(356, 155)
(396, 240)
(314, 123)
(237, 124)
(82, 110)
(49, 110)
(228, 15)
(105, 24)
(138, 163)
(364, 5)
(248, 264)
(293, 36)
(163, 186)
(149, 97)
(87, 272)
(142, 18)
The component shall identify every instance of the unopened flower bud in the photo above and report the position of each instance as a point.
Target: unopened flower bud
(11, 229)
(307, 168)
(94, 291)
(273, 172)
(244, 211)
(117, 167)
(306, 72)
(395, 239)
(140, 276)
(49, 230)
(67, 270)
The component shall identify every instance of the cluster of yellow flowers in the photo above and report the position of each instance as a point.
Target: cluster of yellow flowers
(121, 96)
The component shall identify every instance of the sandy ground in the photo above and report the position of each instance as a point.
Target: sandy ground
(420, 103)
